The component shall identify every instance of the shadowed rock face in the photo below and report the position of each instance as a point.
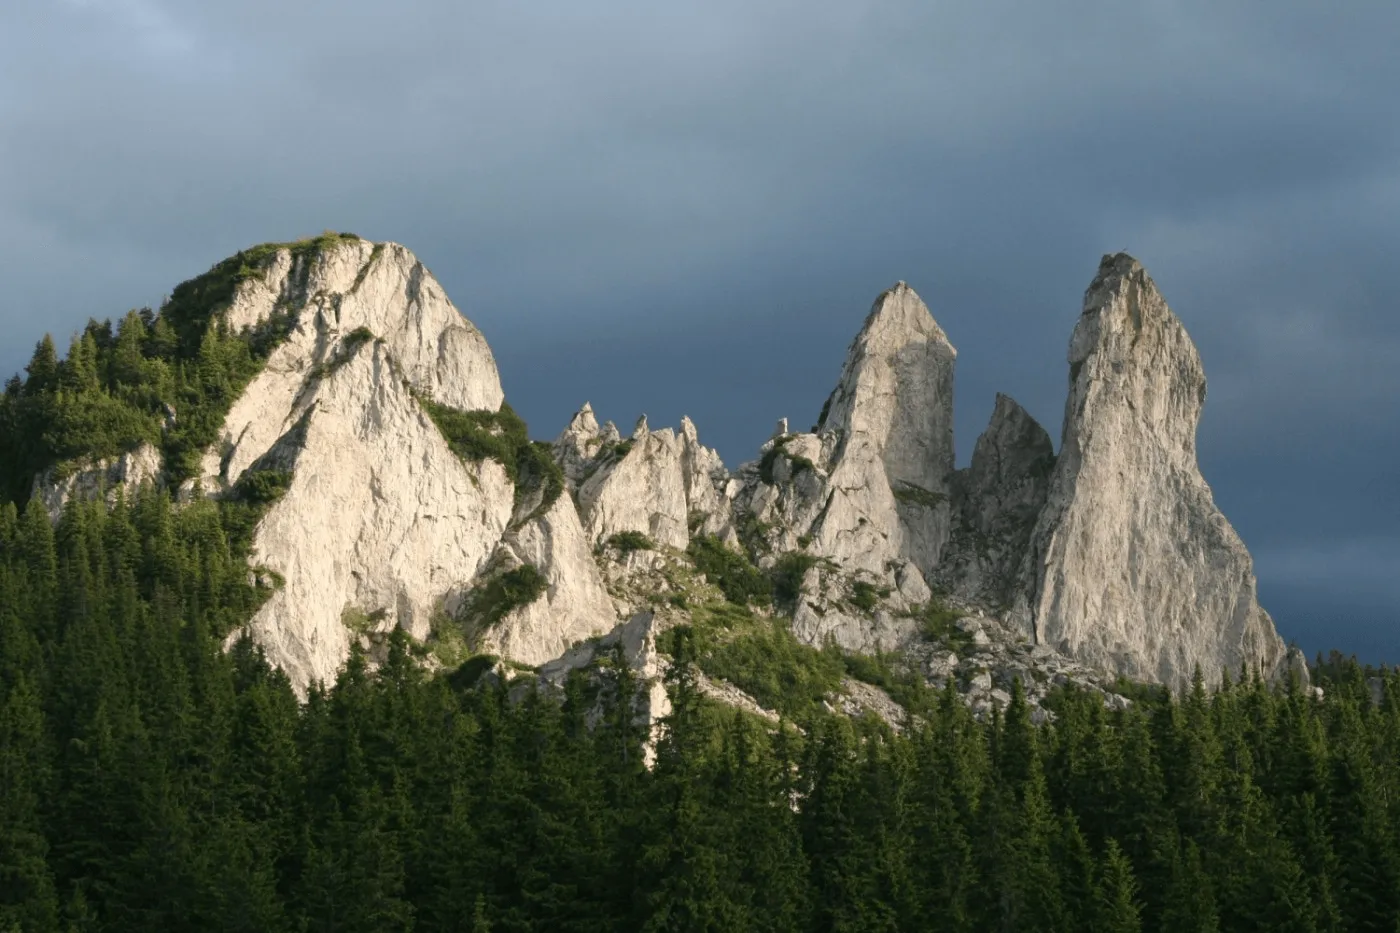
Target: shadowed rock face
(1131, 566)
(996, 502)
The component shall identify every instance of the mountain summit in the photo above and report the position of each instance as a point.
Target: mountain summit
(361, 418)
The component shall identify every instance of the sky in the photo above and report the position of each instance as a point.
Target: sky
(688, 208)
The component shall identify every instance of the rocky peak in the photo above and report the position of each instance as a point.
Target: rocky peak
(578, 444)
(890, 423)
(1131, 566)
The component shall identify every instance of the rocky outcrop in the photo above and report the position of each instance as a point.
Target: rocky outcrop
(56, 486)
(996, 502)
(892, 419)
(652, 483)
(869, 489)
(381, 521)
(1111, 556)
(339, 297)
(708, 497)
(643, 490)
(576, 605)
(578, 446)
(382, 525)
(1131, 566)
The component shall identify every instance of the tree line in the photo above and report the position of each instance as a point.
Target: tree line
(155, 775)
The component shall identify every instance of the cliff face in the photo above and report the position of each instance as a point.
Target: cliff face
(996, 502)
(1110, 556)
(1131, 566)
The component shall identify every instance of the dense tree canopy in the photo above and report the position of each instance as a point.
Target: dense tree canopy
(150, 779)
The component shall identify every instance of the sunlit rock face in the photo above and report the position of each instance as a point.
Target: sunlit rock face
(1131, 567)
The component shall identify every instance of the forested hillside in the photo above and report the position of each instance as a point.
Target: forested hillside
(150, 780)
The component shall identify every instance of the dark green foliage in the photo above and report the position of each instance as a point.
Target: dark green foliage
(166, 379)
(625, 542)
(501, 436)
(865, 596)
(937, 623)
(358, 336)
(193, 304)
(616, 450)
(911, 494)
(256, 491)
(787, 574)
(151, 778)
(763, 658)
(736, 576)
(494, 599)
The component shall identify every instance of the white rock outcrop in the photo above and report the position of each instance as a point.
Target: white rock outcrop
(870, 488)
(381, 520)
(892, 416)
(336, 295)
(651, 483)
(55, 488)
(1131, 567)
(382, 524)
(576, 606)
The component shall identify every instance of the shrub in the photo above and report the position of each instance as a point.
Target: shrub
(625, 542)
(937, 623)
(787, 577)
(917, 495)
(866, 596)
(735, 575)
(761, 657)
(501, 436)
(495, 599)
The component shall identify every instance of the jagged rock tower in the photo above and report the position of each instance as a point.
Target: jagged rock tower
(1130, 565)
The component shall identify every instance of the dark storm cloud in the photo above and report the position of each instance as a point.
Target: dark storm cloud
(687, 208)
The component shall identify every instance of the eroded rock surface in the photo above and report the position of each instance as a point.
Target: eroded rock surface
(869, 489)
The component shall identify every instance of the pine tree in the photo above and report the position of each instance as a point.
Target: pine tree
(1118, 910)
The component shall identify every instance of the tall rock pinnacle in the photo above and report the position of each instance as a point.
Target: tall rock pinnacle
(891, 418)
(1131, 566)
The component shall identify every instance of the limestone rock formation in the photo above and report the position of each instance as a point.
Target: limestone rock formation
(870, 488)
(382, 524)
(576, 605)
(1110, 558)
(104, 477)
(381, 521)
(1131, 566)
(651, 483)
(892, 415)
(996, 502)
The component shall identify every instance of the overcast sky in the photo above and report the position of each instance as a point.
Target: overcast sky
(688, 207)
